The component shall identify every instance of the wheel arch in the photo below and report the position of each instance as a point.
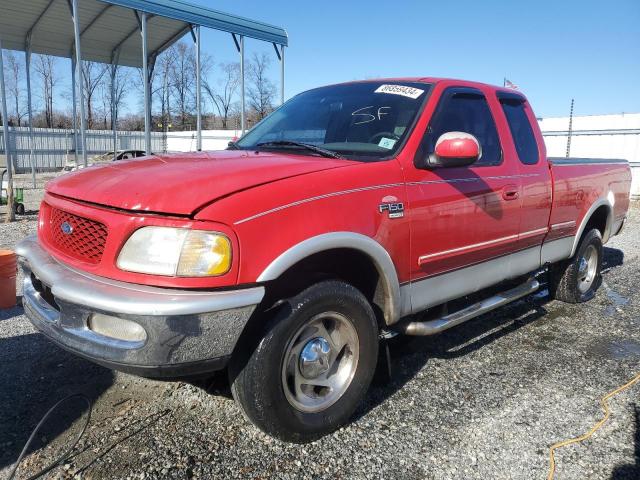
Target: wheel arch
(600, 216)
(373, 251)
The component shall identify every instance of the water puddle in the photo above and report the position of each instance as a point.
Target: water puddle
(624, 349)
(617, 302)
(618, 350)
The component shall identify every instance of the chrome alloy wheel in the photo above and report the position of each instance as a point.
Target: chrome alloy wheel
(587, 268)
(320, 362)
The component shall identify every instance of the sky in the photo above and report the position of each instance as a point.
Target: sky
(553, 50)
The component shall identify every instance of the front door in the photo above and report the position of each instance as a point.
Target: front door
(464, 219)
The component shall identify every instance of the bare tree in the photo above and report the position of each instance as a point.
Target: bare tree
(138, 81)
(64, 119)
(122, 83)
(261, 90)
(159, 86)
(44, 65)
(92, 75)
(132, 122)
(223, 98)
(164, 70)
(112, 106)
(14, 89)
(105, 100)
(183, 80)
(206, 65)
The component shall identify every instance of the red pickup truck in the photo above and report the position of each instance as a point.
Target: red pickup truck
(335, 221)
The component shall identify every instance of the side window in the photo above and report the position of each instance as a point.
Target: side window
(521, 131)
(462, 110)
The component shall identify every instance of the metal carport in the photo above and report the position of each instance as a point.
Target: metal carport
(106, 31)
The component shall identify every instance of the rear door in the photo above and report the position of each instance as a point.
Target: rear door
(462, 217)
(529, 155)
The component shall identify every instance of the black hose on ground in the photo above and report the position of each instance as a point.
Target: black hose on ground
(60, 460)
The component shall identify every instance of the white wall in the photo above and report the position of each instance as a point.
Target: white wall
(597, 136)
(211, 140)
(594, 136)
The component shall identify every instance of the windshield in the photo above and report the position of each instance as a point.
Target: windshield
(366, 120)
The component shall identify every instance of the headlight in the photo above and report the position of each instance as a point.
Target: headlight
(176, 251)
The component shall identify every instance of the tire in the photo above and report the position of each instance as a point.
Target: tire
(277, 384)
(577, 279)
(19, 208)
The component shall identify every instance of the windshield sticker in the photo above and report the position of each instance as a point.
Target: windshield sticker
(403, 90)
(387, 143)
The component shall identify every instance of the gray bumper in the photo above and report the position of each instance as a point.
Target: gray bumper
(187, 332)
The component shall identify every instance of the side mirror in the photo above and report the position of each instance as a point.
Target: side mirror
(455, 149)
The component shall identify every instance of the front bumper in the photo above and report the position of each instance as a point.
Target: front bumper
(187, 332)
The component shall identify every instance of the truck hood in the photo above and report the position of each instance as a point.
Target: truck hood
(180, 184)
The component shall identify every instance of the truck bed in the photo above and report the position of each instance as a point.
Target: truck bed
(581, 186)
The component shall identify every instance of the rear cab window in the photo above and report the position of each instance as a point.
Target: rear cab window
(513, 106)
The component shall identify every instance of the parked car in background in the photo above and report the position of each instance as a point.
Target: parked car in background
(70, 165)
(352, 212)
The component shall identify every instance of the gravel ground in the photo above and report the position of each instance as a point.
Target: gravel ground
(484, 400)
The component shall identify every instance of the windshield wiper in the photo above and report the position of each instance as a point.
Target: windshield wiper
(288, 143)
(232, 146)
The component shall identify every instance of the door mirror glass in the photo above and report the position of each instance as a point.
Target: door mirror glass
(455, 149)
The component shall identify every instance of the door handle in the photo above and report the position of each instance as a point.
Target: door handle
(510, 192)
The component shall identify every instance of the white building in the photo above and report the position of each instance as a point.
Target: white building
(597, 136)
(593, 136)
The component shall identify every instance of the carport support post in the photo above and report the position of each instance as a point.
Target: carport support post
(5, 122)
(242, 92)
(198, 91)
(280, 55)
(74, 113)
(27, 61)
(145, 81)
(83, 120)
(282, 75)
(114, 72)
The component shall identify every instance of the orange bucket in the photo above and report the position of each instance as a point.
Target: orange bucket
(8, 270)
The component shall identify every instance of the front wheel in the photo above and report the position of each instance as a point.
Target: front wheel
(312, 366)
(577, 279)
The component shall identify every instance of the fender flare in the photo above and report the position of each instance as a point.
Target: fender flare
(603, 201)
(328, 241)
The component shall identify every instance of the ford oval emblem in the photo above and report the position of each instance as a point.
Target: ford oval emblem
(66, 228)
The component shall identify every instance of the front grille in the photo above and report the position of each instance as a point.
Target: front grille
(76, 236)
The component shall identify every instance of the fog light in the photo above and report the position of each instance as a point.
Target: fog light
(117, 328)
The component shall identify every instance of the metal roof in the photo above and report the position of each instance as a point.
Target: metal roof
(207, 17)
(109, 25)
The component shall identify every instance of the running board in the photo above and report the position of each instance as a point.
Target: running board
(432, 327)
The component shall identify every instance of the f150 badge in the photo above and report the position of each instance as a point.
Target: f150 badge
(396, 210)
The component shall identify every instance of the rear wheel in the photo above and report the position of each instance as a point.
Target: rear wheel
(312, 366)
(577, 279)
